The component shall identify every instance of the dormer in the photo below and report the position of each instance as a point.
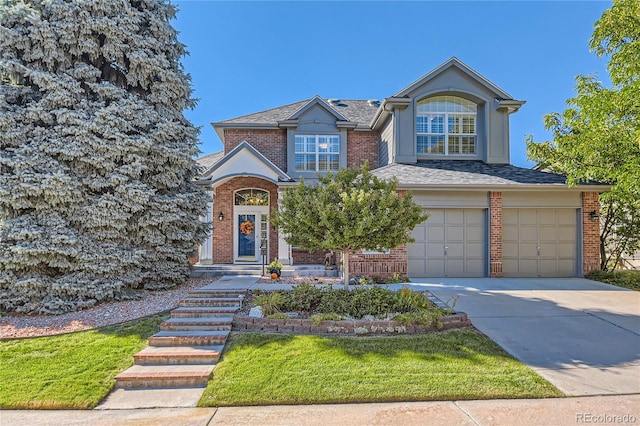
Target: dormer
(316, 138)
(451, 113)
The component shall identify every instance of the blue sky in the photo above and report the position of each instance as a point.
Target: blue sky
(245, 57)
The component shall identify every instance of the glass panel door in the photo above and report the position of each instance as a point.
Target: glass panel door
(247, 235)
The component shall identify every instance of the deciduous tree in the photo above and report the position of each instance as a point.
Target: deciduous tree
(349, 211)
(598, 136)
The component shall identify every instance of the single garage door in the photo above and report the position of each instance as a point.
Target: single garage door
(451, 243)
(539, 242)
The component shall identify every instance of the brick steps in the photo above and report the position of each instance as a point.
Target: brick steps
(152, 376)
(202, 311)
(177, 355)
(192, 324)
(210, 302)
(185, 351)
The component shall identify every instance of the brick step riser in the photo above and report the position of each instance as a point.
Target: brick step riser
(199, 327)
(178, 314)
(187, 341)
(214, 294)
(142, 383)
(175, 360)
(190, 303)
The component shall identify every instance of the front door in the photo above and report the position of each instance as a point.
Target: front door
(251, 232)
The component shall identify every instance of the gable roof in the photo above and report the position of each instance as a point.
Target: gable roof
(317, 100)
(447, 173)
(226, 168)
(357, 111)
(454, 62)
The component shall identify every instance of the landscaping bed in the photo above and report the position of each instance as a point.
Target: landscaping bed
(366, 310)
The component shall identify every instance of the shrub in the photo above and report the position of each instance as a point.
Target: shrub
(270, 302)
(626, 279)
(303, 298)
(407, 300)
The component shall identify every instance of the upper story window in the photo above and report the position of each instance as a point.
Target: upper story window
(317, 153)
(446, 125)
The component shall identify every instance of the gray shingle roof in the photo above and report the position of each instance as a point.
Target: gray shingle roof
(452, 172)
(206, 161)
(357, 111)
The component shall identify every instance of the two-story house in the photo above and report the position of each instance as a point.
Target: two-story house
(445, 137)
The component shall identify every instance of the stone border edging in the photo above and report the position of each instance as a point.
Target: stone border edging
(345, 327)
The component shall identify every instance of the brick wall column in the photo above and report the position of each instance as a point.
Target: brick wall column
(590, 233)
(495, 234)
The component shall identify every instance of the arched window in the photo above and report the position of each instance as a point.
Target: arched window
(446, 125)
(251, 197)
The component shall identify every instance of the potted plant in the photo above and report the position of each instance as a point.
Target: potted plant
(275, 268)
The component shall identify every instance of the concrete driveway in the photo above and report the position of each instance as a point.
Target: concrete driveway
(581, 335)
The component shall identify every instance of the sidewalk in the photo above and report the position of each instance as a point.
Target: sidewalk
(622, 409)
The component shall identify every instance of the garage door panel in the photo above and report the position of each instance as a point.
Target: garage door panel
(455, 249)
(419, 233)
(510, 249)
(547, 233)
(435, 250)
(455, 217)
(528, 267)
(528, 233)
(567, 267)
(528, 249)
(435, 233)
(567, 217)
(435, 268)
(475, 233)
(474, 217)
(416, 266)
(435, 217)
(509, 217)
(566, 250)
(415, 250)
(527, 217)
(475, 250)
(475, 267)
(455, 233)
(510, 234)
(566, 233)
(548, 250)
(547, 217)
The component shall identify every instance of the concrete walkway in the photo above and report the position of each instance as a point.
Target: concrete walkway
(524, 412)
(581, 335)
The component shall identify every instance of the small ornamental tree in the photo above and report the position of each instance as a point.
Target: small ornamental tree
(96, 157)
(598, 136)
(349, 211)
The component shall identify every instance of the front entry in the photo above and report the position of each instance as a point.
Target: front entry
(251, 224)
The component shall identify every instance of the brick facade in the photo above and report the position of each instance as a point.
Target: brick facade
(270, 143)
(223, 231)
(303, 257)
(361, 147)
(495, 234)
(379, 265)
(590, 233)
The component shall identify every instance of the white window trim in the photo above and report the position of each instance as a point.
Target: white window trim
(446, 114)
(317, 152)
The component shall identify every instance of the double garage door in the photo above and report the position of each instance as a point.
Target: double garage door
(454, 243)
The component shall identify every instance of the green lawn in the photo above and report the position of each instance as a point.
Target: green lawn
(626, 279)
(259, 369)
(72, 370)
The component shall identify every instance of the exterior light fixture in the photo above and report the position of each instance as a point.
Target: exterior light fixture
(221, 217)
(593, 215)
